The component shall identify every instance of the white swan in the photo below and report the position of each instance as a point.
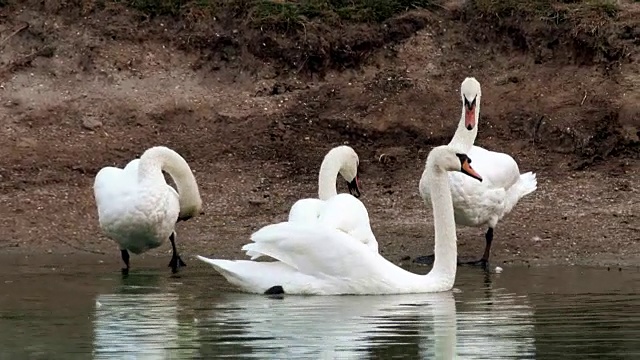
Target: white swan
(139, 210)
(350, 216)
(316, 258)
(341, 160)
(481, 204)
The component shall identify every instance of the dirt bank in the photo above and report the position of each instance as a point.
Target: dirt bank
(253, 99)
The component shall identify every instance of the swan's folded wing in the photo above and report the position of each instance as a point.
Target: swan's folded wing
(107, 184)
(497, 169)
(305, 210)
(314, 249)
(475, 202)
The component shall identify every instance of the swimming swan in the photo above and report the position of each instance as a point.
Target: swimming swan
(317, 259)
(481, 204)
(341, 160)
(139, 210)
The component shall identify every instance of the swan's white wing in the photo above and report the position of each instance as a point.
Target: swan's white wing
(114, 189)
(498, 170)
(526, 184)
(346, 213)
(475, 203)
(305, 210)
(317, 249)
(343, 212)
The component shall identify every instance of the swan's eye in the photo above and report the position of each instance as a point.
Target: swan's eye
(470, 104)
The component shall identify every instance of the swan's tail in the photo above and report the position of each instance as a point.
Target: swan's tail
(251, 276)
(525, 186)
(226, 268)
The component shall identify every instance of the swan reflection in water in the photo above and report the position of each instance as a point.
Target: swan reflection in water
(484, 324)
(500, 328)
(141, 326)
(424, 326)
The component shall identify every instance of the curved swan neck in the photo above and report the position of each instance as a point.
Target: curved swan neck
(329, 170)
(463, 139)
(445, 251)
(160, 158)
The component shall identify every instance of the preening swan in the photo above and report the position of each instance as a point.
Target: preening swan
(349, 214)
(481, 204)
(139, 210)
(317, 259)
(341, 160)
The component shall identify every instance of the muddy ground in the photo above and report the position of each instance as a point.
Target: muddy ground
(254, 108)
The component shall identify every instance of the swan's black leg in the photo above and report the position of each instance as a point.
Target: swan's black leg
(487, 248)
(125, 258)
(484, 261)
(175, 262)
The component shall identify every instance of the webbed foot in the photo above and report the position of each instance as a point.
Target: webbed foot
(483, 263)
(176, 263)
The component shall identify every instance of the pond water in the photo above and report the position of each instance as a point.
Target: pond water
(84, 310)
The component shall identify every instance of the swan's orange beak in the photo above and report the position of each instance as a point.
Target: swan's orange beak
(354, 187)
(469, 114)
(468, 170)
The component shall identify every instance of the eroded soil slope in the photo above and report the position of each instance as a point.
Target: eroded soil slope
(255, 106)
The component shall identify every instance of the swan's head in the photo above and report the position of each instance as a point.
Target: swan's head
(446, 158)
(349, 161)
(470, 92)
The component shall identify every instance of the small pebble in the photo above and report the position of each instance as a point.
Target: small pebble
(498, 270)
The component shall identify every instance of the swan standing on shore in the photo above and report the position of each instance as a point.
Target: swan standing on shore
(317, 259)
(481, 204)
(139, 210)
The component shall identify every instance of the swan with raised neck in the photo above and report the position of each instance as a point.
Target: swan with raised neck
(481, 204)
(467, 130)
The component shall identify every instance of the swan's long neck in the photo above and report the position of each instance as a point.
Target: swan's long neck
(463, 139)
(160, 158)
(327, 177)
(446, 252)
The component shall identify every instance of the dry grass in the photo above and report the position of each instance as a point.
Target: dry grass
(286, 14)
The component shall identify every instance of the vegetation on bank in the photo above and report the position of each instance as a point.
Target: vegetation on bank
(365, 10)
(555, 11)
(292, 15)
(287, 11)
(315, 35)
(575, 31)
